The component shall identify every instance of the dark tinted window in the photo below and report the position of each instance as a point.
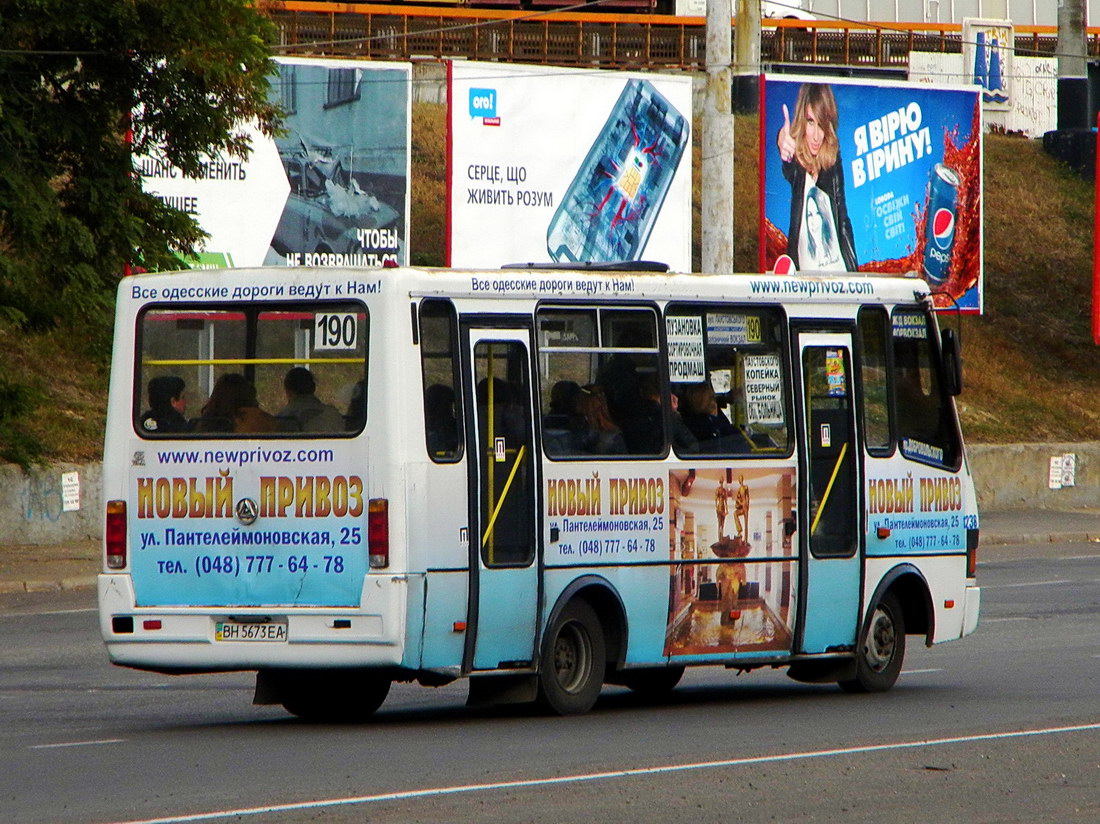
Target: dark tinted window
(926, 424)
(439, 368)
(729, 378)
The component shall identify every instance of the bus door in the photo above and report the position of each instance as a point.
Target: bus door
(829, 505)
(504, 569)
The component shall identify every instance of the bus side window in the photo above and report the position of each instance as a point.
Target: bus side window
(594, 365)
(439, 368)
(926, 424)
(728, 368)
(873, 380)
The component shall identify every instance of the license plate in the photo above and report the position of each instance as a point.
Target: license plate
(235, 631)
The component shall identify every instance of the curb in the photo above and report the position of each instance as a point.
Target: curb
(64, 585)
(1041, 538)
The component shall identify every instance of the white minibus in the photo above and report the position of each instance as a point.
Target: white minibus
(541, 480)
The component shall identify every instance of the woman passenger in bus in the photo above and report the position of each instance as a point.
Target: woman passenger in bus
(600, 436)
(233, 407)
(166, 406)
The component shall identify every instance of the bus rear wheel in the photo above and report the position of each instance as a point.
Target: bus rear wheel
(881, 649)
(572, 664)
(332, 696)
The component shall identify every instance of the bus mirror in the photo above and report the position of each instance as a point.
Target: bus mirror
(952, 361)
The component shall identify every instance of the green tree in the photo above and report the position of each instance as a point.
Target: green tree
(80, 79)
(85, 85)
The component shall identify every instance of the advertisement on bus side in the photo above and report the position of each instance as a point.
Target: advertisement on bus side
(728, 537)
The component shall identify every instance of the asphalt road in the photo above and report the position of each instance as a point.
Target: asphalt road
(1002, 726)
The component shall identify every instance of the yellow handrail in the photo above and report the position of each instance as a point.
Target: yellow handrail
(828, 488)
(503, 495)
(244, 361)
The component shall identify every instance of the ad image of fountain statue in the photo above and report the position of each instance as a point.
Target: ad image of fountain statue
(736, 546)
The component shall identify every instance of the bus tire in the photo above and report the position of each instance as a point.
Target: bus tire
(651, 682)
(572, 664)
(881, 649)
(347, 696)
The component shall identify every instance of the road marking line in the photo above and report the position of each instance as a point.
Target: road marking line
(920, 671)
(406, 795)
(77, 744)
(46, 612)
(1005, 620)
(1028, 584)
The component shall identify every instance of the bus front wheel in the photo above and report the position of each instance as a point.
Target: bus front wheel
(572, 664)
(881, 649)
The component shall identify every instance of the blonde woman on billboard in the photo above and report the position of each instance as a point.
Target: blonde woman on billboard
(810, 150)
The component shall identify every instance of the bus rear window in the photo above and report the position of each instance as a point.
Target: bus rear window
(265, 369)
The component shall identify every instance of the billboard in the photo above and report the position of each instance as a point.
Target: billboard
(876, 177)
(331, 190)
(567, 165)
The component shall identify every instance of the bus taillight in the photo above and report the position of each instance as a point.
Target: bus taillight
(378, 532)
(114, 533)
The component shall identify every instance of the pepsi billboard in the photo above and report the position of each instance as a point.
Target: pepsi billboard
(880, 177)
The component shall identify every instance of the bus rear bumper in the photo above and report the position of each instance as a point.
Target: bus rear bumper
(971, 609)
(186, 639)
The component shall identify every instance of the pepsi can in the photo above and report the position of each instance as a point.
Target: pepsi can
(939, 229)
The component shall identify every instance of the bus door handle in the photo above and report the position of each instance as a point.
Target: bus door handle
(503, 495)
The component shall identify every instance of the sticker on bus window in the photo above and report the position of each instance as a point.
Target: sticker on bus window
(834, 373)
(732, 330)
(763, 382)
(685, 348)
(335, 330)
(910, 325)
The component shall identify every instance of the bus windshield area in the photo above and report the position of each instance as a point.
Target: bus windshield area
(263, 369)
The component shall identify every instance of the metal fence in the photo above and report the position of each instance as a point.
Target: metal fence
(606, 41)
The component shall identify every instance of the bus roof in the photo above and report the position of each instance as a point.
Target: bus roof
(284, 283)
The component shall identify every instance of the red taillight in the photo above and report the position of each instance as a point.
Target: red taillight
(378, 532)
(114, 533)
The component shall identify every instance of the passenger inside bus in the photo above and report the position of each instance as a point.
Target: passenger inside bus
(508, 418)
(713, 429)
(233, 407)
(356, 415)
(304, 411)
(166, 406)
(600, 435)
(683, 440)
(562, 422)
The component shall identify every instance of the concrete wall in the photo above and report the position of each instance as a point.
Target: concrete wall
(1017, 475)
(1009, 476)
(32, 505)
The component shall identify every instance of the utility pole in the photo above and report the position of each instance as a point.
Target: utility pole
(1073, 81)
(717, 161)
(747, 56)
